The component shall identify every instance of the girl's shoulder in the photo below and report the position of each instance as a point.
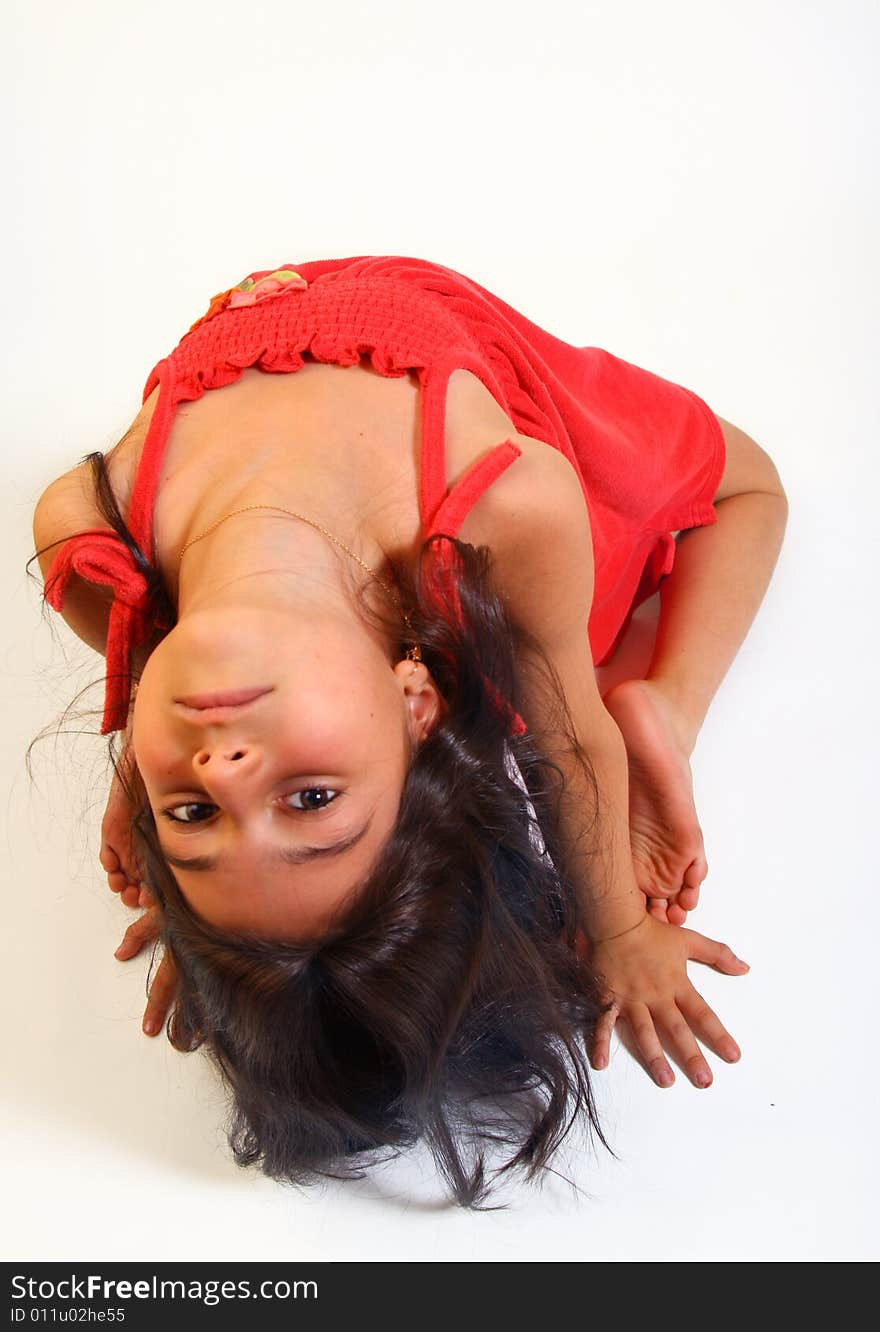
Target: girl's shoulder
(70, 507)
(535, 520)
(535, 496)
(67, 508)
(70, 504)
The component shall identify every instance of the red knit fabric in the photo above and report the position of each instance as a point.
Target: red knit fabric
(649, 454)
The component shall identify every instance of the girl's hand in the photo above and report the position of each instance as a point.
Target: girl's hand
(646, 976)
(117, 852)
(164, 987)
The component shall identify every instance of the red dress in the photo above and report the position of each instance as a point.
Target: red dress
(649, 454)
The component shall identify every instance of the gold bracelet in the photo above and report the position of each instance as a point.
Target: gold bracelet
(622, 932)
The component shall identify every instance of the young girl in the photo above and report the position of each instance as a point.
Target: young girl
(406, 863)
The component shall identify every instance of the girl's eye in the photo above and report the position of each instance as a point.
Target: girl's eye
(315, 797)
(188, 815)
(197, 811)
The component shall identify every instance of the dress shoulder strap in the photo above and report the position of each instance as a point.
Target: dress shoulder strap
(444, 510)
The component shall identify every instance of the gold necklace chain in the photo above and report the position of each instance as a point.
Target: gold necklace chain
(414, 653)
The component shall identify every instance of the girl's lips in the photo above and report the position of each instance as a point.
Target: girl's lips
(225, 698)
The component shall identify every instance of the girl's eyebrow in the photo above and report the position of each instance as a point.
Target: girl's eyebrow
(284, 855)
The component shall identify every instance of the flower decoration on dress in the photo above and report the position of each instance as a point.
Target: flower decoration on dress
(252, 290)
(274, 284)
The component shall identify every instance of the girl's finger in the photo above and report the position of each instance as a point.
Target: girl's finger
(683, 1041)
(161, 997)
(141, 931)
(705, 1023)
(116, 881)
(119, 881)
(714, 954)
(657, 907)
(642, 1026)
(108, 858)
(602, 1037)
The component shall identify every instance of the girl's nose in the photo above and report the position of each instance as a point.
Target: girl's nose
(221, 754)
(223, 765)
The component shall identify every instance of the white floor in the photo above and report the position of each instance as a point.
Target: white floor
(697, 195)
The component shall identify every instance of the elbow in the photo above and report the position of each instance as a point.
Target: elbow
(748, 467)
(781, 492)
(769, 482)
(777, 487)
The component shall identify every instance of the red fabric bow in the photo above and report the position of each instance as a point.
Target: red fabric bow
(100, 557)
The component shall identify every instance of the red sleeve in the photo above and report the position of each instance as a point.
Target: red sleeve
(668, 443)
(709, 455)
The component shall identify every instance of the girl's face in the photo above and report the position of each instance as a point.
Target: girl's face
(272, 808)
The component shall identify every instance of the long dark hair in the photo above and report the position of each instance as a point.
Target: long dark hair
(447, 1001)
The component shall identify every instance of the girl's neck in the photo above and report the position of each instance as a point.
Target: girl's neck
(273, 559)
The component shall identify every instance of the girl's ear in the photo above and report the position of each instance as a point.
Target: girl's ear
(424, 702)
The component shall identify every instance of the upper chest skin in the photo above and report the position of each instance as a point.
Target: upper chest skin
(340, 444)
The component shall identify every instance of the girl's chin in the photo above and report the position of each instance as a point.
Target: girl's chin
(235, 643)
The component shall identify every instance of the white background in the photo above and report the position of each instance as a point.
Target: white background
(691, 185)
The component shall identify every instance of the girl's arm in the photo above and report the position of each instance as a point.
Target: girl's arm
(544, 569)
(543, 562)
(718, 581)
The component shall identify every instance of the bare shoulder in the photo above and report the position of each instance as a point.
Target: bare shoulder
(67, 505)
(535, 520)
(544, 573)
(541, 487)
